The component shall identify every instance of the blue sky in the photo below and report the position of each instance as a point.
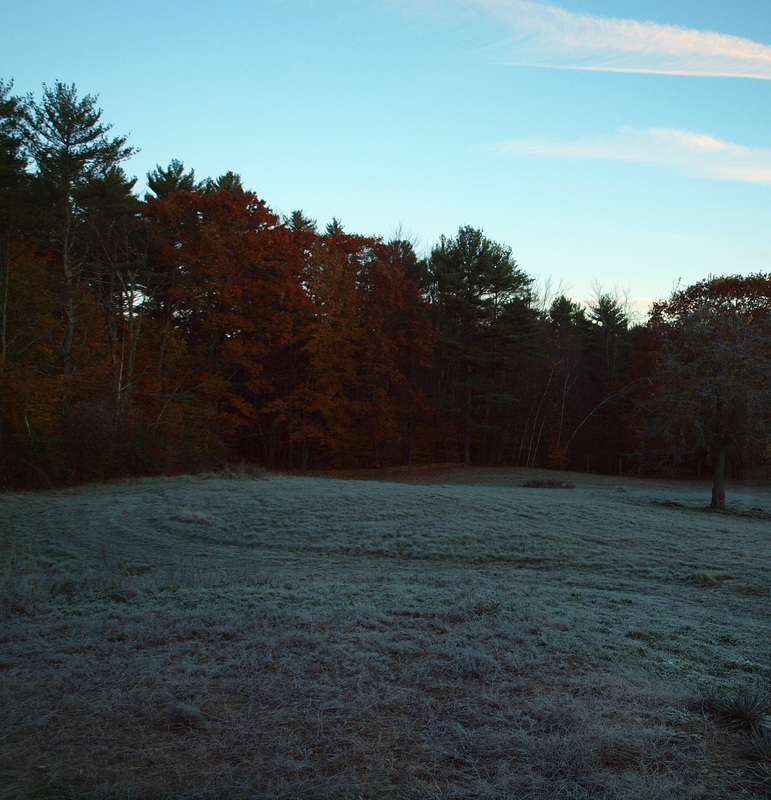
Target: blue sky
(607, 142)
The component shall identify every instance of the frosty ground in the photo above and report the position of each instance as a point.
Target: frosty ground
(413, 633)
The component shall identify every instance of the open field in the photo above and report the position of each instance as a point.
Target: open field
(441, 633)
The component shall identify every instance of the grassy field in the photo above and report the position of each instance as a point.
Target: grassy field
(437, 633)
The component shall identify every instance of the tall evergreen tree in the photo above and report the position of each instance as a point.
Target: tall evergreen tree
(297, 222)
(72, 148)
(484, 313)
(229, 182)
(162, 182)
(13, 163)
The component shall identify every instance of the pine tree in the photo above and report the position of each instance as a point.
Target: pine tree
(71, 149)
(484, 314)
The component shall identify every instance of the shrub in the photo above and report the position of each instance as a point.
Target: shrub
(537, 483)
(748, 710)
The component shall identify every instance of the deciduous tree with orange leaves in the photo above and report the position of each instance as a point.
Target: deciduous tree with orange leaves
(366, 334)
(225, 302)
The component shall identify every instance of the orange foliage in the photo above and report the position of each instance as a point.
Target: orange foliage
(366, 337)
(227, 303)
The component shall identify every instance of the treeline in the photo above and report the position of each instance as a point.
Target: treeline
(194, 326)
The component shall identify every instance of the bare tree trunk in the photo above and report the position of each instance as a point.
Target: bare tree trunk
(718, 482)
(70, 293)
(467, 429)
(72, 269)
(530, 451)
(5, 265)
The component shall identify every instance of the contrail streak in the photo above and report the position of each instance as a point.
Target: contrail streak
(545, 35)
(693, 154)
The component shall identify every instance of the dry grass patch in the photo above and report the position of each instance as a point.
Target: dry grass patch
(346, 703)
(316, 638)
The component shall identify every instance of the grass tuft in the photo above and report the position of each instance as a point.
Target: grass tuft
(748, 710)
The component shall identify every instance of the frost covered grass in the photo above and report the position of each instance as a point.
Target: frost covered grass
(431, 633)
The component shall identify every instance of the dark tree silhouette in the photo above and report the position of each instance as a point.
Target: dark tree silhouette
(72, 149)
(483, 314)
(711, 390)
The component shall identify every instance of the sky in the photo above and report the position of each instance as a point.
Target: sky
(621, 146)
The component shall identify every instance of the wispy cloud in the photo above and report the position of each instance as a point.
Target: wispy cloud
(693, 154)
(545, 35)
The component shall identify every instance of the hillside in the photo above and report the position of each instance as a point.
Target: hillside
(431, 633)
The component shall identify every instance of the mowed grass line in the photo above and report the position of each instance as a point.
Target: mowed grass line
(308, 637)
